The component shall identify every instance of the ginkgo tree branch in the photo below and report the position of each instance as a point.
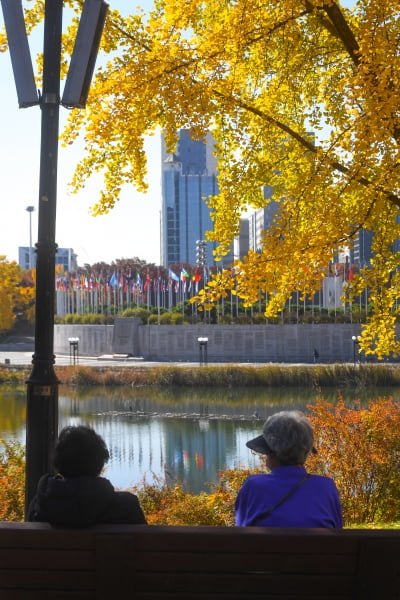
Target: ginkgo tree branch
(336, 165)
(343, 30)
(337, 26)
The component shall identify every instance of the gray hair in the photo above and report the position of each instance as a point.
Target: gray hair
(290, 437)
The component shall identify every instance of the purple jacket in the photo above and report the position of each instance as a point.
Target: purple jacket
(314, 504)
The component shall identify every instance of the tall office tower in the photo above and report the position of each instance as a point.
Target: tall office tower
(188, 176)
(361, 253)
(259, 221)
(241, 242)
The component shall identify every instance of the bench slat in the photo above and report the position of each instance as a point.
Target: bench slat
(49, 559)
(48, 538)
(200, 583)
(46, 579)
(261, 594)
(211, 562)
(240, 540)
(48, 595)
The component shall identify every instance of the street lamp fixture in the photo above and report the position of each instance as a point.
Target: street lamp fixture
(356, 341)
(73, 350)
(203, 341)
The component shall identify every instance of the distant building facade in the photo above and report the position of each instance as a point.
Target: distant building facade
(241, 242)
(362, 252)
(260, 220)
(64, 256)
(189, 175)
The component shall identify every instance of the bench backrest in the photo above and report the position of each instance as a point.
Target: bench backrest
(195, 563)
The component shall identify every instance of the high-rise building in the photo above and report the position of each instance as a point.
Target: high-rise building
(64, 256)
(189, 176)
(261, 219)
(241, 242)
(362, 253)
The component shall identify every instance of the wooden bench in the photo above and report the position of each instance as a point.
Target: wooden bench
(195, 563)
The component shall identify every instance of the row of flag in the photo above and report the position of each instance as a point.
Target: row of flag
(133, 283)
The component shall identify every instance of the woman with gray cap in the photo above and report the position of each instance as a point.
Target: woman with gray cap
(288, 496)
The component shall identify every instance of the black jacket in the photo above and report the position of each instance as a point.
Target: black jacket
(82, 501)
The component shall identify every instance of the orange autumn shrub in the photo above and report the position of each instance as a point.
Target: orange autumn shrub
(359, 447)
(12, 481)
(170, 504)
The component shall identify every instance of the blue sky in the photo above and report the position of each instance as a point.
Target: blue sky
(131, 229)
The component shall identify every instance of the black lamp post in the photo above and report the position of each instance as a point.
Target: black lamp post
(42, 385)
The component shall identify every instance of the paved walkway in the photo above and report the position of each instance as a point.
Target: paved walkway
(24, 358)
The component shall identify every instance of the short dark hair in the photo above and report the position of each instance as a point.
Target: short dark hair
(79, 451)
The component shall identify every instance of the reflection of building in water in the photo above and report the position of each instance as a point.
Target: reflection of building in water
(196, 453)
(136, 449)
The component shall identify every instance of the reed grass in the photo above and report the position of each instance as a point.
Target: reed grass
(337, 375)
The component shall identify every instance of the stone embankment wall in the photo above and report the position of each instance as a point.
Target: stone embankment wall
(94, 340)
(226, 343)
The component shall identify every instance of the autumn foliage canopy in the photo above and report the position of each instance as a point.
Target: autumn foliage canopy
(300, 95)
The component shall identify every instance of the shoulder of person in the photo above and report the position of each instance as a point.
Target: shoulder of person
(127, 496)
(323, 479)
(257, 479)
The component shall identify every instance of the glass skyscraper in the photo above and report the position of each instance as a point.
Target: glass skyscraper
(188, 177)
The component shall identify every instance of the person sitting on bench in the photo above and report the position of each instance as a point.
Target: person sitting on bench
(288, 496)
(75, 495)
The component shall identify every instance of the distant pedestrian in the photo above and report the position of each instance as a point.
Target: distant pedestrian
(316, 355)
(76, 495)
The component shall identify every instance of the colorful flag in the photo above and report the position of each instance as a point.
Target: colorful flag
(113, 280)
(147, 282)
(172, 275)
(197, 276)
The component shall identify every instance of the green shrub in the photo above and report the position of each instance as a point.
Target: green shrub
(177, 319)
(139, 312)
(165, 319)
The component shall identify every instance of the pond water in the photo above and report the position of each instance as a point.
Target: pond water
(184, 434)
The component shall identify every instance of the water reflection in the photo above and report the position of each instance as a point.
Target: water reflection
(183, 434)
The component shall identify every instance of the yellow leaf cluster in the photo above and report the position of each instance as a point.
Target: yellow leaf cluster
(14, 297)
